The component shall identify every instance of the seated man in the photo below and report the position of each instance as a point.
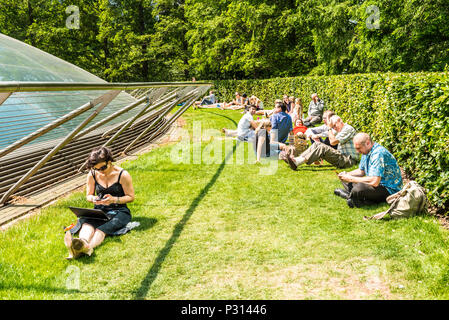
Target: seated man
(345, 156)
(377, 177)
(317, 134)
(245, 126)
(315, 111)
(281, 123)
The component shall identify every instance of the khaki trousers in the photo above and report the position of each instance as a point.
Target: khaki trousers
(319, 151)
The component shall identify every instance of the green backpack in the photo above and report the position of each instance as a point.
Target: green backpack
(410, 201)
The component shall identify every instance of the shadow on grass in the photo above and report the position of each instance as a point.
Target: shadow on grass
(221, 115)
(145, 223)
(154, 270)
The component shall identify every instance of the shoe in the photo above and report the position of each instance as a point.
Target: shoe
(350, 203)
(291, 162)
(342, 193)
(353, 203)
(283, 156)
(82, 246)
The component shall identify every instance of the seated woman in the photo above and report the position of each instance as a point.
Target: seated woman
(299, 128)
(253, 100)
(113, 188)
(298, 142)
(291, 102)
(296, 111)
(264, 145)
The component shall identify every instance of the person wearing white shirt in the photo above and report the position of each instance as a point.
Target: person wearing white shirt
(245, 127)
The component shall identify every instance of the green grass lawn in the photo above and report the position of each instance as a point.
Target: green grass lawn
(230, 231)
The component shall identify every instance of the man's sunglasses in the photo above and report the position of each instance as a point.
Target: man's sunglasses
(101, 168)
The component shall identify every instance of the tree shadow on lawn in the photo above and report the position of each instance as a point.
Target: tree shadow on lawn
(154, 270)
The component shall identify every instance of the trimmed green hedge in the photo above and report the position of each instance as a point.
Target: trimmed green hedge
(406, 113)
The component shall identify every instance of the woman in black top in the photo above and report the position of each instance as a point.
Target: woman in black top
(109, 188)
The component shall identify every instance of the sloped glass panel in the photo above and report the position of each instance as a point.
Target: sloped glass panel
(25, 112)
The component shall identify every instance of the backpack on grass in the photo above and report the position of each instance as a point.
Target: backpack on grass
(410, 201)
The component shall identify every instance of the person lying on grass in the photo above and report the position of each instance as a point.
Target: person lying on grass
(240, 102)
(207, 100)
(377, 177)
(109, 188)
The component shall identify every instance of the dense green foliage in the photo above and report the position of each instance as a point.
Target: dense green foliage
(166, 40)
(406, 113)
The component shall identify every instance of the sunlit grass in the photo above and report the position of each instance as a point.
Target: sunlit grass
(226, 231)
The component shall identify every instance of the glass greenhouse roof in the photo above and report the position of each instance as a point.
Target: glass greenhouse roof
(25, 112)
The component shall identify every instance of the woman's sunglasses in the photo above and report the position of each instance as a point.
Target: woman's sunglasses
(101, 168)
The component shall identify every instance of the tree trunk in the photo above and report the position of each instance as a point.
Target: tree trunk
(145, 67)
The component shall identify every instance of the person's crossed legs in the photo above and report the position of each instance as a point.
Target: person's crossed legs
(362, 194)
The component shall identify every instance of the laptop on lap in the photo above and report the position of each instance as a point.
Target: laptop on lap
(90, 213)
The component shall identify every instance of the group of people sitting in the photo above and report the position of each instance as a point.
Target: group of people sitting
(378, 174)
(283, 134)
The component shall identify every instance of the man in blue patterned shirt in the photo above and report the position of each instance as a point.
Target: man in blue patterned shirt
(377, 177)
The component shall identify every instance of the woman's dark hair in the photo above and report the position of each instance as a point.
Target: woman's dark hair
(99, 154)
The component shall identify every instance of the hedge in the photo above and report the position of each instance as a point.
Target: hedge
(407, 113)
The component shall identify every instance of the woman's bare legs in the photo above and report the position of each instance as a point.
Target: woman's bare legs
(260, 144)
(90, 238)
(87, 232)
(82, 244)
(97, 239)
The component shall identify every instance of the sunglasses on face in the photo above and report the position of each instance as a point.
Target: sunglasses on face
(101, 168)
